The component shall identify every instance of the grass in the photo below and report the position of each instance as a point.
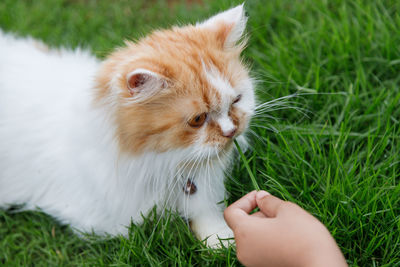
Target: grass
(335, 149)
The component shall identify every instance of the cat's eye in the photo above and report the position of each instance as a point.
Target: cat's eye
(237, 99)
(198, 121)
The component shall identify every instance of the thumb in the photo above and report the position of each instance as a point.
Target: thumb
(239, 211)
(268, 204)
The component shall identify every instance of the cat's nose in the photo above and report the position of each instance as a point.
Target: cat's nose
(229, 133)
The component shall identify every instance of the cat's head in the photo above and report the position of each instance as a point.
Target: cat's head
(181, 88)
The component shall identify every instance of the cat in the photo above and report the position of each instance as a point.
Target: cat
(97, 144)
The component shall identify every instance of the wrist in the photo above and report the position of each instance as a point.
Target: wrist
(327, 256)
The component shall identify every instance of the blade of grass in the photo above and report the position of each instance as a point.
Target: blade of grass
(246, 164)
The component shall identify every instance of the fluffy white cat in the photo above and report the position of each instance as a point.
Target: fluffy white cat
(97, 144)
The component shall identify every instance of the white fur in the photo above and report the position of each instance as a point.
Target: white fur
(58, 152)
(228, 95)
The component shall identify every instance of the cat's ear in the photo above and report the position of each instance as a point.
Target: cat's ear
(228, 25)
(143, 83)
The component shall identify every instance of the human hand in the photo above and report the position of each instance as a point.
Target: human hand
(280, 234)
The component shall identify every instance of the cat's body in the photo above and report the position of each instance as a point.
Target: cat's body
(97, 145)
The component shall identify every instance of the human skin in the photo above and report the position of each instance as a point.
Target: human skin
(280, 234)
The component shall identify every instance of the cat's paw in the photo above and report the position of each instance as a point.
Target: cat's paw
(223, 238)
(214, 234)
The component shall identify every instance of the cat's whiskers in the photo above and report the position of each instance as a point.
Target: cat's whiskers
(179, 173)
(192, 160)
(258, 137)
(269, 128)
(176, 179)
(185, 179)
(198, 163)
(214, 173)
(285, 102)
(208, 172)
(261, 115)
(282, 107)
(280, 103)
(272, 104)
(220, 161)
(279, 99)
(224, 153)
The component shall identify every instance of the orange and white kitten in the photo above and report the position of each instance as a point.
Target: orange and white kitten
(98, 144)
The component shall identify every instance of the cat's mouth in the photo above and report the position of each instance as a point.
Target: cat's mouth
(228, 146)
(221, 150)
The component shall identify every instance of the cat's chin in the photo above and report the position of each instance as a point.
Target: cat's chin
(217, 151)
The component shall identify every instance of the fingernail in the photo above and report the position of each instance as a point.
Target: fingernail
(261, 194)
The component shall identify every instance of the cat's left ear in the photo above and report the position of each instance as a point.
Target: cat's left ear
(228, 25)
(143, 83)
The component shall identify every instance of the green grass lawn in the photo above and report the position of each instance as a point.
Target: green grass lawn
(334, 149)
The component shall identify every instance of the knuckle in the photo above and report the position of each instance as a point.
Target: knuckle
(240, 233)
(226, 213)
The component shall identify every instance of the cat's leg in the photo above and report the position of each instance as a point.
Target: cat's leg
(203, 205)
(211, 227)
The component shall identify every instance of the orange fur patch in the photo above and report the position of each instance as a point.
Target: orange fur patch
(177, 55)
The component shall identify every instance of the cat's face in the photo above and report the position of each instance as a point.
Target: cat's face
(180, 88)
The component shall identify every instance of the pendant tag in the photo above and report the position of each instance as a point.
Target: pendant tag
(189, 188)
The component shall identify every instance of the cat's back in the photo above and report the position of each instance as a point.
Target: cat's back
(44, 94)
(35, 77)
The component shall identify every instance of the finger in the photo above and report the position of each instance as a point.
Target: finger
(240, 209)
(258, 214)
(247, 203)
(268, 204)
